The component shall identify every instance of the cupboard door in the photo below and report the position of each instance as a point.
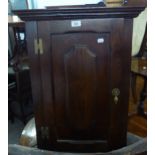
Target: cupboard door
(81, 87)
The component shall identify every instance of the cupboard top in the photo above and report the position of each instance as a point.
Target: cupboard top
(130, 10)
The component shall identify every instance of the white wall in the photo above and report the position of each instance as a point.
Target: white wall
(43, 3)
(139, 26)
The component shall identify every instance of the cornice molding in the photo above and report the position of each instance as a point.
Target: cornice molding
(79, 13)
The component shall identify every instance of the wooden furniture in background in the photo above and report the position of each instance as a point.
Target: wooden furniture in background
(19, 92)
(19, 85)
(80, 72)
(139, 68)
(16, 28)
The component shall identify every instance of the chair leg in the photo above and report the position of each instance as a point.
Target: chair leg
(143, 96)
(133, 86)
(21, 105)
(10, 112)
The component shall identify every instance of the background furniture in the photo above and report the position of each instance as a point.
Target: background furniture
(80, 72)
(11, 89)
(19, 92)
(19, 85)
(139, 68)
(17, 38)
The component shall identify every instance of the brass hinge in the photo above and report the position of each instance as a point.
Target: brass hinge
(44, 132)
(113, 3)
(38, 46)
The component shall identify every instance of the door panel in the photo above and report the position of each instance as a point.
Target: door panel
(81, 78)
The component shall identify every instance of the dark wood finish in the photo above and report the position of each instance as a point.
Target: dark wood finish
(129, 10)
(31, 32)
(72, 81)
(81, 93)
(89, 13)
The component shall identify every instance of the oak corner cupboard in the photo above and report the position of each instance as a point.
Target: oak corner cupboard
(80, 71)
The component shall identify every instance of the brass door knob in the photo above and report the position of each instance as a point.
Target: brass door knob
(115, 93)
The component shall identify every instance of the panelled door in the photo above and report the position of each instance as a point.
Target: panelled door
(81, 78)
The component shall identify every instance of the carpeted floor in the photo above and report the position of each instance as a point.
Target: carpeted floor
(14, 131)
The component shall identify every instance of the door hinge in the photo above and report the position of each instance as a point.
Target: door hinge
(116, 2)
(38, 46)
(44, 132)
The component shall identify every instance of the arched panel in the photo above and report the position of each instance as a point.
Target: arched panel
(80, 76)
